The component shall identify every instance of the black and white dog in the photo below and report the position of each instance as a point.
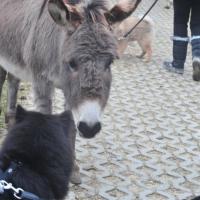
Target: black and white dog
(37, 156)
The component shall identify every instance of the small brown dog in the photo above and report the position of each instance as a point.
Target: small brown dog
(143, 34)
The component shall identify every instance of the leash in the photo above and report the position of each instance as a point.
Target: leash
(18, 193)
(131, 30)
(42, 8)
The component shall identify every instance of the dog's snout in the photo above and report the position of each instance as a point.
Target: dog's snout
(89, 131)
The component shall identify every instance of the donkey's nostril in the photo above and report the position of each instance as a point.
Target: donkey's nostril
(89, 131)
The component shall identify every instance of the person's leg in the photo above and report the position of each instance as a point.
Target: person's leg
(180, 39)
(195, 39)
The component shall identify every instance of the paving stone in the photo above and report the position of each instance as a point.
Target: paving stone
(149, 147)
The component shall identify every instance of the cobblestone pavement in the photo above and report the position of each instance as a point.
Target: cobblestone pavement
(149, 146)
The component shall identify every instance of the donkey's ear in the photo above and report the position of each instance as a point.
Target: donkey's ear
(122, 10)
(63, 12)
(20, 113)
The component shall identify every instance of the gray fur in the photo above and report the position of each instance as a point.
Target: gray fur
(43, 48)
(75, 58)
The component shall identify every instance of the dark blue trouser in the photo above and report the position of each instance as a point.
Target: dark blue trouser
(185, 11)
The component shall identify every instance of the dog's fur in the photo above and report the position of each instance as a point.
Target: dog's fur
(143, 34)
(43, 144)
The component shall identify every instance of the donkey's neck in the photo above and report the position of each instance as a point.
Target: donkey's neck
(28, 43)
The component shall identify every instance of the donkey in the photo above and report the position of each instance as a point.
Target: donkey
(71, 46)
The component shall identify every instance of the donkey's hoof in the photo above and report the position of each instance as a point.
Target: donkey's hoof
(167, 7)
(75, 176)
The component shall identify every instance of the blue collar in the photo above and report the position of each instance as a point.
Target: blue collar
(18, 193)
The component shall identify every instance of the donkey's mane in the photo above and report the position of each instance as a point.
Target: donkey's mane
(94, 10)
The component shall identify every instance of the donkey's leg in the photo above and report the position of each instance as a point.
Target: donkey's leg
(43, 91)
(75, 176)
(2, 80)
(13, 86)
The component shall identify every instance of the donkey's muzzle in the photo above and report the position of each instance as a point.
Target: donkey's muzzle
(89, 131)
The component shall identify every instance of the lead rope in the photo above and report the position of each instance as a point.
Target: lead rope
(42, 8)
(8, 186)
(131, 30)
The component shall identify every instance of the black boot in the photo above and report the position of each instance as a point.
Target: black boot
(179, 56)
(196, 57)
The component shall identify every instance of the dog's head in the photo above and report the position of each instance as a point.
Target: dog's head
(34, 129)
(32, 117)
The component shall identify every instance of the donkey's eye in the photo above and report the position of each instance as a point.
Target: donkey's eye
(73, 65)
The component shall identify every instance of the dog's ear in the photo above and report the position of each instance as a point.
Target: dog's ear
(67, 122)
(65, 116)
(20, 113)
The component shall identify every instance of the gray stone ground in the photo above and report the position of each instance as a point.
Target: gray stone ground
(149, 146)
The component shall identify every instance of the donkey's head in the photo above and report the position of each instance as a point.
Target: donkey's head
(87, 53)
